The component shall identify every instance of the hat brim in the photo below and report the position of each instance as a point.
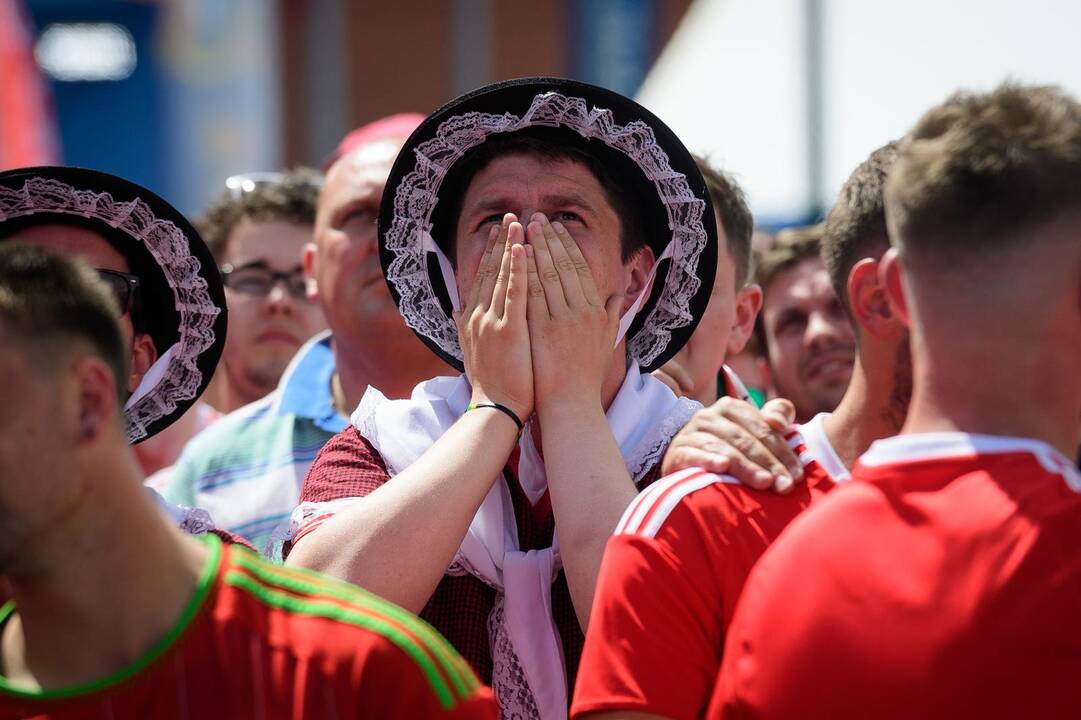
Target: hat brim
(181, 292)
(679, 212)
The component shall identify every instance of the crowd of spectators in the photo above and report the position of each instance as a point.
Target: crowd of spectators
(511, 411)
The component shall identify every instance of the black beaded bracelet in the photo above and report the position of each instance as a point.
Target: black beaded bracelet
(502, 409)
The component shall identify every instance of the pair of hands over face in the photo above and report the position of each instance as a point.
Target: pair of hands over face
(535, 331)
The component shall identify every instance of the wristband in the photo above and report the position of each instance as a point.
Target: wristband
(501, 408)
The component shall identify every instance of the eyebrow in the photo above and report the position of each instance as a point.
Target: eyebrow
(556, 200)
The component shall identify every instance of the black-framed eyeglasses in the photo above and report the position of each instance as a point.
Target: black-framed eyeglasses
(257, 279)
(122, 285)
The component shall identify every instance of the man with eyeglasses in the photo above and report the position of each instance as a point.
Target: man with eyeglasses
(247, 468)
(257, 230)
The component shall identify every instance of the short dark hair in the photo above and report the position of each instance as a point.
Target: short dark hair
(540, 143)
(290, 198)
(855, 227)
(730, 205)
(981, 167)
(45, 297)
(791, 247)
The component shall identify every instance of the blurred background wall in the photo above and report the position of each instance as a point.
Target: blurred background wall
(787, 94)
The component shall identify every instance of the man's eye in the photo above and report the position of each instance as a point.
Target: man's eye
(789, 322)
(488, 221)
(566, 216)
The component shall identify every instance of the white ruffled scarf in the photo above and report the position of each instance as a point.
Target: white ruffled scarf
(529, 672)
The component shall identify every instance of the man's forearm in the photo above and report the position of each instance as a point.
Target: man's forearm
(590, 489)
(398, 541)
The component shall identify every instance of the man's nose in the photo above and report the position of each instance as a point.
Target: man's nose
(279, 299)
(822, 331)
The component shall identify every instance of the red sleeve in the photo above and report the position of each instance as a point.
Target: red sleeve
(656, 630)
(347, 466)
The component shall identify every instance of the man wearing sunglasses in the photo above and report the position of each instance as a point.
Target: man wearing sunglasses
(115, 270)
(257, 230)
(165, 283)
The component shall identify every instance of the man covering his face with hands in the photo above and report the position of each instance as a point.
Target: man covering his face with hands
(554, 241)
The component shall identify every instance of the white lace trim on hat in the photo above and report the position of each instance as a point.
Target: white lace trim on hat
(409, 235)
(179, 377)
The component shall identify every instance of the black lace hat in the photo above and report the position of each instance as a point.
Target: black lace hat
(181, 298)
(416, 224)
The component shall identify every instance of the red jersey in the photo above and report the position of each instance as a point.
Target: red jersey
(670, 579)
(945, 584)
(262, 641)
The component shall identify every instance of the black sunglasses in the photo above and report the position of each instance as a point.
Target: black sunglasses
(122, 285)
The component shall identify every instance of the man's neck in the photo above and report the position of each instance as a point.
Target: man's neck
(864, 413)
(101, 591)
(1025, 398)
(392, 370)
(237, 394)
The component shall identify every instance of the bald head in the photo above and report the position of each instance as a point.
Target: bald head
(345, 261)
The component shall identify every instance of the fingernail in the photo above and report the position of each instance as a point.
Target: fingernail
(783, 484)
(763, 477)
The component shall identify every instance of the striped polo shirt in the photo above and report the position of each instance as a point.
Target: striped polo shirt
(262, 641)
(247, 468)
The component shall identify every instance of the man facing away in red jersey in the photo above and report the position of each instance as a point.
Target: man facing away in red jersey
(116, 613)
(945, 582)
(673, 572)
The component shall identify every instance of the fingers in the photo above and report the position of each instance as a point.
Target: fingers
(761, 425)
(688, 456)
(581, 267)
(488, 271)
(536, 307)
(752, 461)
(546, 270)
(514, 310)
(502, 280)
(779, 413)
(564, 265)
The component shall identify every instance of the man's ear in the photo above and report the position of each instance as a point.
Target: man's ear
(95, 397)
(143, 355)
(868, 300)
(309, 256)
(889, 275)
(748, 303)
(638, 276)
